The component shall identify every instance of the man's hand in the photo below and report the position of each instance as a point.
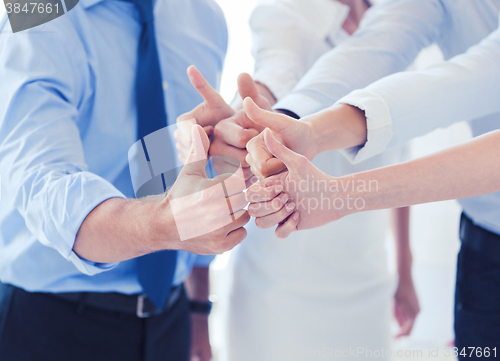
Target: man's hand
(207, 114)
(307, 187)
(208, 213)
(406, 306)
(231, 135)
(198, 289)
(294, 134)
(200, 341)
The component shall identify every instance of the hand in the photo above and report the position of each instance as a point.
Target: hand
(200, 342)
(231, 135)
(205, 222)
(406, 306)
(273, 207)
(207, 114)
(294, 134)
(308, 188)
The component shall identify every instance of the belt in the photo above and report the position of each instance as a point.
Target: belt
(139, 304)
(479, 239)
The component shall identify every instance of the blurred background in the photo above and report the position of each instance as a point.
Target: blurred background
(434, 227)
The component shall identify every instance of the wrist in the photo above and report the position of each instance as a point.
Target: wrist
(161, 230)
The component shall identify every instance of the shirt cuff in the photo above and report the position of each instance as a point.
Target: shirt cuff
(302, 104)
(378, 122)
(90, 190)
(203, 261)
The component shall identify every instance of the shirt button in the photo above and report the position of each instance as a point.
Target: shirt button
(165, 86)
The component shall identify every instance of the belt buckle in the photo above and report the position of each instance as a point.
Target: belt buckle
(140, 307)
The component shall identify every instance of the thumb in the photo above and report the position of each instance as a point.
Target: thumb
(287, 156)
(197, 157)
(247, 87)
(274, 121)
(202, 86)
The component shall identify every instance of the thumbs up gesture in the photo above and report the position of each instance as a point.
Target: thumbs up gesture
(310, 191)
(208, 213)
(294, 134)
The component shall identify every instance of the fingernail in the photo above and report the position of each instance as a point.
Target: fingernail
(284, 198)
(290, 207)
(278, 189)
(296, 216)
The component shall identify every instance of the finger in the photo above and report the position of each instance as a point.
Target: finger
(238, 202)
(398, 314)
(267, 119)
(232, 155)
(261, 161)
(197, 157)
(183, 132)
(234, 134)
(202, 86)
(259, 193)
(234, 238)
(288, 227)
(225, 165)
(241, 219)
(209, 129)
(291, 159)
(406, 328)
(183, 152)
(247, 87)
(263, 209)
(276, 218)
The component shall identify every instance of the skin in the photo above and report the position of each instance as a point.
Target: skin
(233, 133)
(468, 170)
(122, 229)
(197, 288)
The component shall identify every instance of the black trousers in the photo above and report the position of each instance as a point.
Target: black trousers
(477, 297)
(39, 327)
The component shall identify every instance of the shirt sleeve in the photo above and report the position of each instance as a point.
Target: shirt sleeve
(410, 104)
(389, 38)
(289, 36)
(42, 162)
(203, 261)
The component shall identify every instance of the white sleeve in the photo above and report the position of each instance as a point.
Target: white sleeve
(289, 36)
(389, 38)
(410, 104)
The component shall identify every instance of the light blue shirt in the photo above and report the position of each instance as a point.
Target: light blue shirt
(407, 105)
(67, 120)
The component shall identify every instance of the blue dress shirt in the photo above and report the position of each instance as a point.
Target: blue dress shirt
(67, 120)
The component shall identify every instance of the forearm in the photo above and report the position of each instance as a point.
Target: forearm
(198, 284)
(468, 170)
(401, 230)
(122, 229)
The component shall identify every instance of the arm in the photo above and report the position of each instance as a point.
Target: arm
(198, 289)
(117, 230)
(405, 105)
(389, 38)
(390, 112)
(406, 301)
(288, 37)
(467, 170)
